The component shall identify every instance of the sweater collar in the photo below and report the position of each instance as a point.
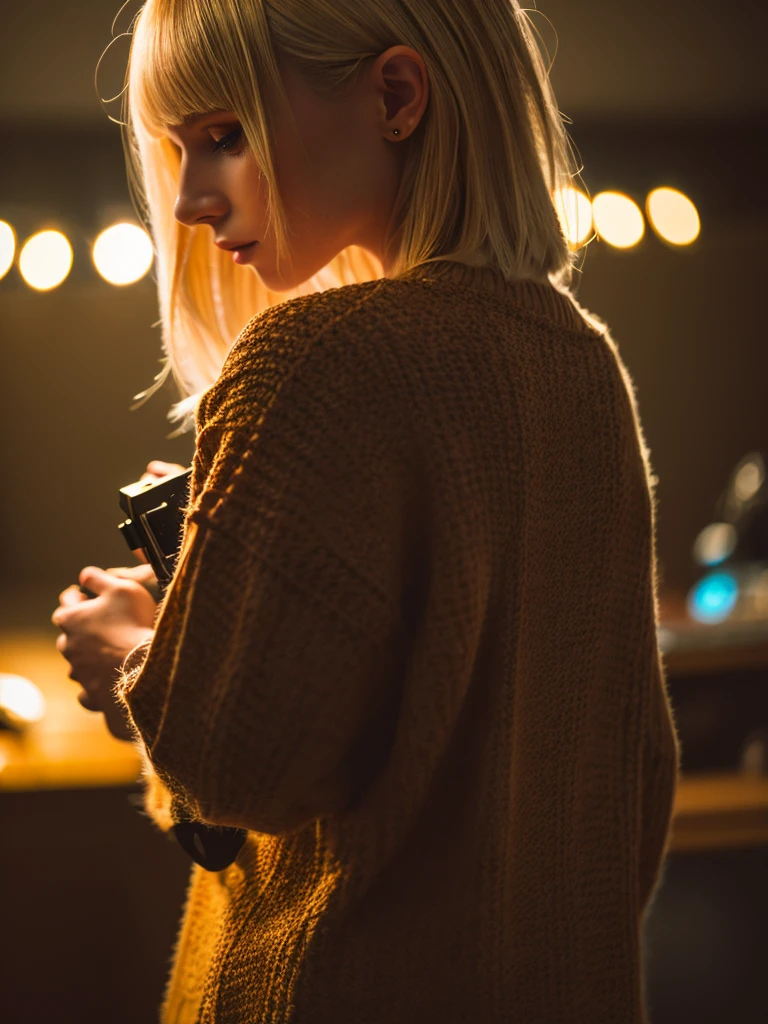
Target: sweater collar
(539, 296)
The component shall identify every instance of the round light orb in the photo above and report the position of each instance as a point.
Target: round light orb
(715, 543)
(575, 212)
(7, 247)
(45, 260)
(20, 700)
(749, 479)
(123, 253)
(673, 216)
(618, 219)
(713, 598)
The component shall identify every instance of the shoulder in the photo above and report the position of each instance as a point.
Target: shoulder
(317, 365)
(323, 340)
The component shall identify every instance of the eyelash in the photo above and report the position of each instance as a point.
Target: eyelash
(228, 141)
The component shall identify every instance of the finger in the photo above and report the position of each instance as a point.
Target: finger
(144, 573)
(61, 643)
(61, 617)
(160, 468)
(96, 579)
(68, 595)
(137, 573)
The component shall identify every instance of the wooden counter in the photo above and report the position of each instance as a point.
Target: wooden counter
(71, 748)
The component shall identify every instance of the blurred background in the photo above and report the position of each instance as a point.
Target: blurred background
(667, 103)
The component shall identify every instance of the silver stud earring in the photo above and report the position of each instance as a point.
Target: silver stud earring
(396, 131)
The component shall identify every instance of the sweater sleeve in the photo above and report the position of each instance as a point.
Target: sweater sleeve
(268, 695)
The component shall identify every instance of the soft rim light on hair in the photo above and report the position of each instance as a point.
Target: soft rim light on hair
(122, 253)
(7, 247)
(45, 260)
(673, 216)
(618, 219)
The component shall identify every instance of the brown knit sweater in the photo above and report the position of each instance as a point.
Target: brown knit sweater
(410, 646)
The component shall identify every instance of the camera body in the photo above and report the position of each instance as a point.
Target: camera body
(155, 520)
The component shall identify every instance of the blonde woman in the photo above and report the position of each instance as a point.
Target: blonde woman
(406, 675)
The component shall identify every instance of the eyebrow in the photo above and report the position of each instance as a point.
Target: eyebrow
(194, 118)
(191, 119)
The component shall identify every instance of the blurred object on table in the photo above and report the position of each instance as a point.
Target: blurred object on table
(733, 550)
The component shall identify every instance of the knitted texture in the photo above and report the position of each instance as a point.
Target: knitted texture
(410, 645)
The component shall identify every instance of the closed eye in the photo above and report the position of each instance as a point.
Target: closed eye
(229, 141)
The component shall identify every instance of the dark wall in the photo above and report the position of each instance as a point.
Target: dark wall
(71, 360)
(689, 328)
(688, 324)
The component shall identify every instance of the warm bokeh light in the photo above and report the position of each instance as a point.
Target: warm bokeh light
(673, 216)
(123, 253)
(575, 212)
(20, 700)
(715, 543)
(618, 219)
(45, 260)
(7, 247)
(749, 479)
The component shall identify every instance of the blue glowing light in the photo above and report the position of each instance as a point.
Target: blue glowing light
(713, 598)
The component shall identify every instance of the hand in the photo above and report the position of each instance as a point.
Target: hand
(143, 574)
(98, 634)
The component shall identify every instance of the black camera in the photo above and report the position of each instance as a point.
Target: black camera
(155, 511)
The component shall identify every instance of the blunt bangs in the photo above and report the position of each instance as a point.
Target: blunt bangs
(176, 66)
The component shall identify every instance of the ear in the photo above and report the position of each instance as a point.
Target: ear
(399, 76)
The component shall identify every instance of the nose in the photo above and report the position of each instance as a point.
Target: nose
(198, 203)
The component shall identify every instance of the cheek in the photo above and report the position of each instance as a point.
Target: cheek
(310, 168)
(246, 185)
(299, 174)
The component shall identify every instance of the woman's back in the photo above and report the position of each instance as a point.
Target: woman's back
(413, 651)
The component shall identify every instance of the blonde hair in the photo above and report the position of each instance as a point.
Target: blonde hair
(492, 148)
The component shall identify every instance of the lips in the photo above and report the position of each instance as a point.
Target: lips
(244, 254)
(236, 247)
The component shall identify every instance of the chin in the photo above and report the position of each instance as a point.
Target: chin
(288, 282)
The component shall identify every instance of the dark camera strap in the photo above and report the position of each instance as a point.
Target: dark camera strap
(214, 847)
